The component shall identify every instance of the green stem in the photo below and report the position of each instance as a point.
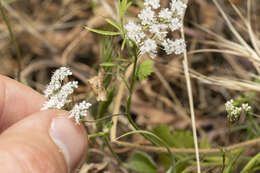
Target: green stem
(18, 52)
(96, 135)
(129, 99)
(111, 150)
(104, 135)
(128, 107)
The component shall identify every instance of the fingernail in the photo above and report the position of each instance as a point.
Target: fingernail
(70, 139)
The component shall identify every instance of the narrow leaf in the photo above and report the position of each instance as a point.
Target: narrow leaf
(108, 64)
(111, 22)
(251, 164)
(102, 32)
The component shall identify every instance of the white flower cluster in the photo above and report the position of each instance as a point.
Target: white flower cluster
(58, 100)
(154, 27)
(56, 80)
(79, 110)
(235, 111)
(246, 107)
(58, 94)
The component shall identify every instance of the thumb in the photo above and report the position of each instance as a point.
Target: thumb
(45, 142)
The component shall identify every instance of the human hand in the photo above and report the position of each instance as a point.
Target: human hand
(34, 141)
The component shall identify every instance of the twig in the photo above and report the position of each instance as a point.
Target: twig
(188, 82)
(117, 103)
(189, 150)
(187, 77)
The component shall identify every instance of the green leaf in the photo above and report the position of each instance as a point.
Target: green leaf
(231, 164)
(255, 161)
(165, 160)
(114, 24)
(123, 6)
(155, 139)
(108, 64)
(183, 139)
(179, 139)
(145, 69)
(102, 32)
(164, 132)
(123, 44)
(141, 162)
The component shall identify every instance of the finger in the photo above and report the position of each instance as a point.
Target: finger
(46, 141)
(16, 101)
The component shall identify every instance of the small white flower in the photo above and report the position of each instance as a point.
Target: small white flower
(147, 16)
(178, 6)
(79, 111)
(175, 24)
(59, 100)
(160, 30)
(56, 81)
(233, 111)
(234, 115)
(168, 45)
(134, 32)
(165, 14)
(229, 105)
(178, 46)
(153, 3)
(236, 111)
(246, 107)
(149, 46)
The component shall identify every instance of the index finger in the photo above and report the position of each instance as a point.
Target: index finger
(16, 101)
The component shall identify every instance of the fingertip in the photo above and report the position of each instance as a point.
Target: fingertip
(16, 101)
(60, 138)
(71, 140)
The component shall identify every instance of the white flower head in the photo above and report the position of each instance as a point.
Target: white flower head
(134, 32)
(168, 45)
(246, 107)
(178, 46)
(233, 111)
(59, 100)
(229, 105)
(178, 6)
(149, 46)
(175, 24)
(79, 111)
(154, 25)
(58, 95)
(165, 13)
(56, 81)
(155, 4)
(147, 16)
(160, 30)
(234, 115)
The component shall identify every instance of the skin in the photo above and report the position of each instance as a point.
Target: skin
(25, 143)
